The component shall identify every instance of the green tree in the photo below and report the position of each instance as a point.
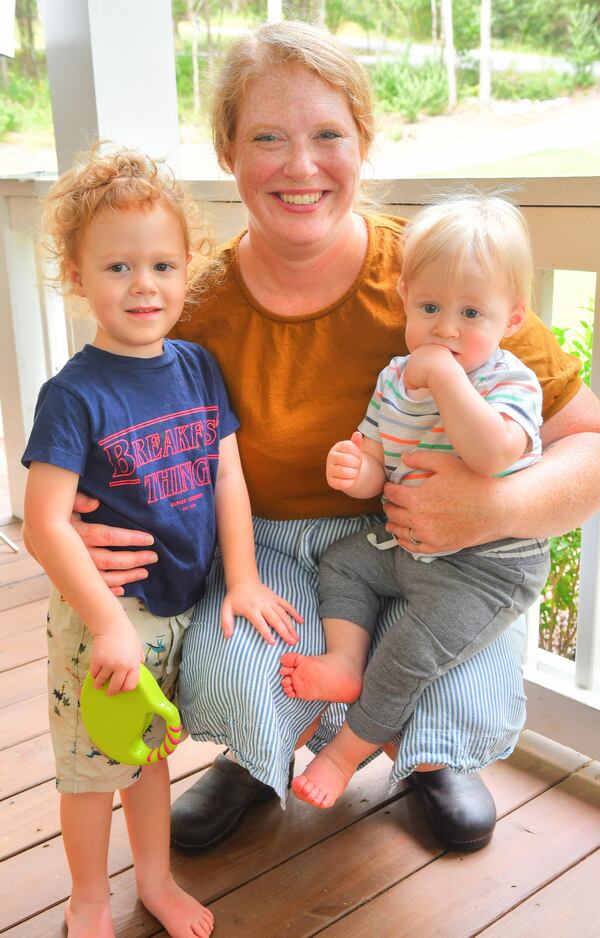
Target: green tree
(584, 43)
(26, 13)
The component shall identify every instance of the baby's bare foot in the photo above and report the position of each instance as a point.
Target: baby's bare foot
(320, 677)
(323, 781)
(89, 919)
(180, 914)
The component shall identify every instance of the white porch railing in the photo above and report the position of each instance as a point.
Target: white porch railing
(564, 219)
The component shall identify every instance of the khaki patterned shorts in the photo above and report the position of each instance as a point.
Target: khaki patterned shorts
(80, 767)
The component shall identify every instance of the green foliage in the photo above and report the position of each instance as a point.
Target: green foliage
(382, 17)
(465, 19)
(584, 43)
(535, 24)
(26, 15)
(536, 86)
(183, 73)
(335, 14)
(179, 10)
(8, 117)
(559, 26)
(560, 596)
(410, 90)
(26, 103)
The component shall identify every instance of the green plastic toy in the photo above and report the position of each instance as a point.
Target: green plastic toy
(116, 724)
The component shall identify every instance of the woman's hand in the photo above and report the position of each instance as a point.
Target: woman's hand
(452, 509)
(116, 567)
(344, 461)
(263, 608)
(116, 657)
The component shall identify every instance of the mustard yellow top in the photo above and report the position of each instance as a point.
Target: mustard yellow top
(300, 383)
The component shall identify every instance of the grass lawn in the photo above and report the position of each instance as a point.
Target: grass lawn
(581, 162)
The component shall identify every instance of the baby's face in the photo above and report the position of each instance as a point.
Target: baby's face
(468, 314)
(131, 267)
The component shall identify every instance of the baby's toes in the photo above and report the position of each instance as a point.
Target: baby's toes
(288, 687)
(289, 659)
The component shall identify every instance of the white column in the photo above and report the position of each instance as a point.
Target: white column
(587, 658)
(274, 11)
(7, 28)
(449, 51)
(111, 69)
(485, 52)
(544, 295)
(23, 365)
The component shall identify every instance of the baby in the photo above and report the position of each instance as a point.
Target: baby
(465, 282)
(142, 424)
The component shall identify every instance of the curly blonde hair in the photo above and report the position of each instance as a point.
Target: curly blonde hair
(117, 180)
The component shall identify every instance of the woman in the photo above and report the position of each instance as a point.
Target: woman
(301, 323)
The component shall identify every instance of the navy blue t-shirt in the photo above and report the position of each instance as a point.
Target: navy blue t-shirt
(143, 435)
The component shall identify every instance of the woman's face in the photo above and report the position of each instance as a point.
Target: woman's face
(296, 158)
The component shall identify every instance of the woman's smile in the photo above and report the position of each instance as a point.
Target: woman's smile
(301, 201)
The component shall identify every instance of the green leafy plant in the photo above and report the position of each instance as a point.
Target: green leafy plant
(536, 86)
(560, 596)
(410, 90)
(584, 43)
(8, 118)
(25, 105)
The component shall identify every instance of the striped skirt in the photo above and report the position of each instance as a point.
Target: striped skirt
(230, 690)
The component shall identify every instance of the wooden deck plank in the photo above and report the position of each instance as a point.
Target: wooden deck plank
(14, 622)
(531, 847)
(208, 875)
(26, 591)
(32, 816)
(25, 765)
(24, 720)
(332, 880)
(567, 906)
(31, 646)
(14, 530)
(23, 567)
(535, 765)
(22, 682)
(8, 555)
(506, 779)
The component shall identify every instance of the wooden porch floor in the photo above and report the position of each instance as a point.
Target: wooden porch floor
(369, 867)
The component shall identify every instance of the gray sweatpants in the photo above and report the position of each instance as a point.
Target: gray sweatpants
(456, 605)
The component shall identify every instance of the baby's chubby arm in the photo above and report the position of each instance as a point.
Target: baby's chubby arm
(116, 650)
(246, 595)
(486, 440)
(355, 466)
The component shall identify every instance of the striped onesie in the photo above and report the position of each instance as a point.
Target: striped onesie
(402, 425)
(465, 599)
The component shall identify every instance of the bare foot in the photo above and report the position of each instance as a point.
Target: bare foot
(323, 781)
(89, 919)
(321, 677)
(181, 915)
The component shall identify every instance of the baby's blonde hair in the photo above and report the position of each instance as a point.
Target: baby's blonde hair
(116, 180)
(288, 43)
(487, 229)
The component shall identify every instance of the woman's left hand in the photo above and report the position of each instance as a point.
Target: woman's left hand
(263, 608)
(453, 508)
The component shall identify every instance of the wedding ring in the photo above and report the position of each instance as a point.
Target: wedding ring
(412, 538)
